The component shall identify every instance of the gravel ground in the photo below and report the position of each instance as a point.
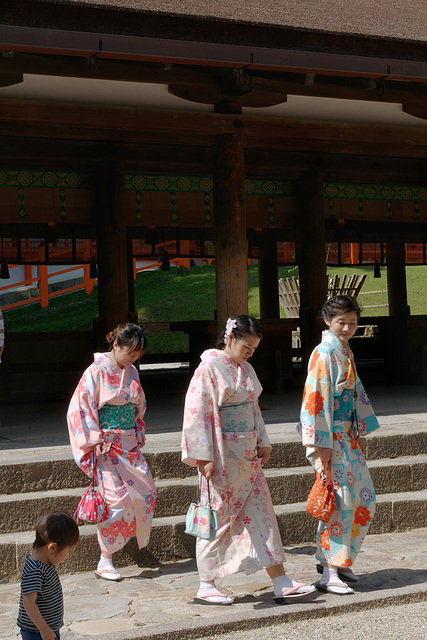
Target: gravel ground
(404, 622)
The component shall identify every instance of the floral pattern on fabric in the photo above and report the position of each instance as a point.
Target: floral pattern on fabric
(223, 423)
(325, 421)
(105, 398)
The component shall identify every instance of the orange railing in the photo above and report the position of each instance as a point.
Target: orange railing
(88, 283)
(43, 280)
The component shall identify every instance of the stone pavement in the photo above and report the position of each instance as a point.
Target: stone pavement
(156, 602)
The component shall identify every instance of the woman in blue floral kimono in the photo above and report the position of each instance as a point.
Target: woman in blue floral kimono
(335, 412)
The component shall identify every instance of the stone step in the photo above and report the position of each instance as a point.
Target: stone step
(48, 468)
(19, 512)
(392, 569)
(395, 512)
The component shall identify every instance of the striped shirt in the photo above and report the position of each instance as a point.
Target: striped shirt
(43, 579)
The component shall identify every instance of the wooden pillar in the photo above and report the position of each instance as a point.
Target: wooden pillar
(397, 350)
(311, 258)
(230, 228)
(111, 249)
(268, 276)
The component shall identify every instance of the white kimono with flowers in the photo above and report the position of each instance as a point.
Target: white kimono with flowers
(223, 424)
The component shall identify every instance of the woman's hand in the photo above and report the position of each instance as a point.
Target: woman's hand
(362, 444)
(206, 468)
(264, 454)
(325, 455)
(140, 438)
(101, 449)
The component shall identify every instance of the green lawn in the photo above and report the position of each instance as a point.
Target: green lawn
(181, 294)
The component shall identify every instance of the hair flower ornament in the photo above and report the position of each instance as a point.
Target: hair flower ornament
(230, 325)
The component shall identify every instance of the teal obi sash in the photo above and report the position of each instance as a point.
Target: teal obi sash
(112, 416)
(237, 417)
(344, 406)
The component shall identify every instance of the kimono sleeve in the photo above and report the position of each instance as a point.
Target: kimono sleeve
(140, 409)
(366, 418)
(201, 414)
(263, 440)
(83, 423)
(316, 417)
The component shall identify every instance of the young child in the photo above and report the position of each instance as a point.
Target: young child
(41, 606)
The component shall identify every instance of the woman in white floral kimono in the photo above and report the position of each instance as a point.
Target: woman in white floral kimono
(106, 426)
(330, 431)
(225, 437)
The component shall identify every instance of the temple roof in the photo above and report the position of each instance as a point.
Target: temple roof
(383, 19)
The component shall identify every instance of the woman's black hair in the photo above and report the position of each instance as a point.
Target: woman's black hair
(56, 527)
(338, 305)
(245, 326)
(129, 336)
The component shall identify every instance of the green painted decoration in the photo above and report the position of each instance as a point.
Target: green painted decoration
(62, 206)
(202, 184)
(174, 212)
(349, 191)
(21, 205)
(417, 210)
(44, 179)
(271, 211)
(208, 216)
(138, 202)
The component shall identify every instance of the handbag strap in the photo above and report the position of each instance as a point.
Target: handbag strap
(326, 473)
(209, 493)
(96, 475)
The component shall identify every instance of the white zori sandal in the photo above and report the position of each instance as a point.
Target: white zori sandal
(209, 594)
(106, 571)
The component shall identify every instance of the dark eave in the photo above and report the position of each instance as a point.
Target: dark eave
(116, 47)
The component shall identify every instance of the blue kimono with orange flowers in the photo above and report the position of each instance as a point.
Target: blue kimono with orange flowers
(326, 421)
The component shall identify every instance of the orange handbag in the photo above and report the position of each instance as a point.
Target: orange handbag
(321, 501)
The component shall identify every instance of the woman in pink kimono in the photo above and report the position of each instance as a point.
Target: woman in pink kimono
(106, 426)
(330, 431)
(225, 437)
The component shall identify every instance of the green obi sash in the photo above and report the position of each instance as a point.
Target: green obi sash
(237, 417)
(113, 416)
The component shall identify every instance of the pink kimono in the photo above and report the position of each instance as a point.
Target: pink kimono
(108, 406)
(223, 423)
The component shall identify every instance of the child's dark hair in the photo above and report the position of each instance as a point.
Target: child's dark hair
(338, 305)
(57, 527)
(244, 326)
(130, 336)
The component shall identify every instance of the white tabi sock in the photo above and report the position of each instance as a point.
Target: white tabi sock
(209, 590)
(283, 583)
(106, 563)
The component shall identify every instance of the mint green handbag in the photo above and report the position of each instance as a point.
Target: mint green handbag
(201, 521)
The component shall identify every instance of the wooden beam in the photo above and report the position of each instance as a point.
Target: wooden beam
(280, 83)
(89, 122)
(182, 155)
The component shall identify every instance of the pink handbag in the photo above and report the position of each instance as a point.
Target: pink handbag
(92, 507)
